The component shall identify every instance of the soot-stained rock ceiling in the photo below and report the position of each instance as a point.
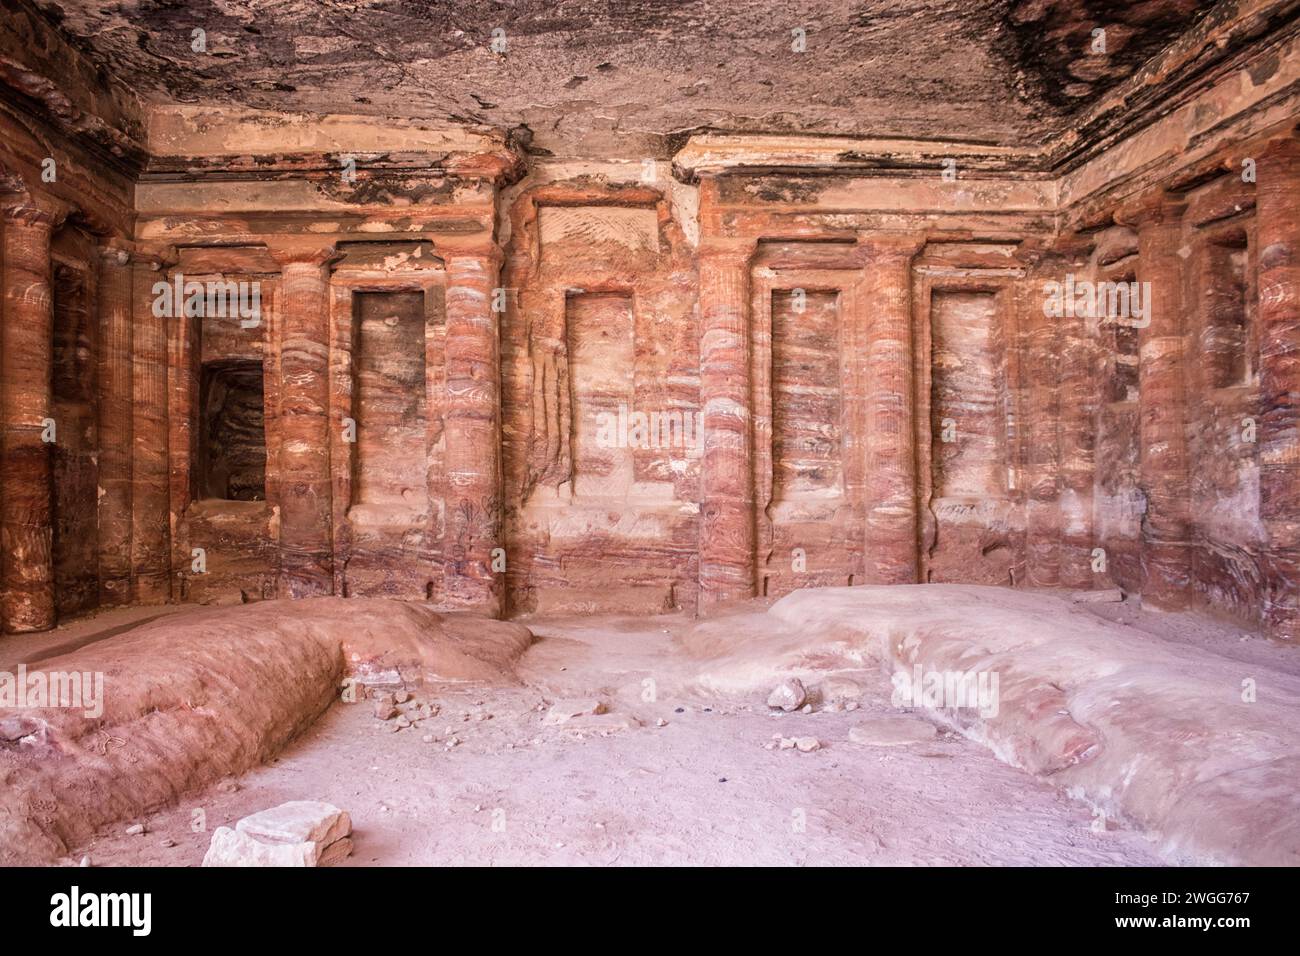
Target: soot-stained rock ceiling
(619, 77)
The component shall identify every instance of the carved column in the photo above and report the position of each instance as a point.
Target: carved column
(726, 542)
(1078, 404)
(26, 529)
(1039, 344)
(1162, 406)
(150, 498)
(891, 533)
(473, 431)
(1277, 217)
(114, 412)
(306, 539)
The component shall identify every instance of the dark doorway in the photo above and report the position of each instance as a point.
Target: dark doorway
(232, 437)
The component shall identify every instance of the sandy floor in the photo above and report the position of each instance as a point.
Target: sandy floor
(699, 790)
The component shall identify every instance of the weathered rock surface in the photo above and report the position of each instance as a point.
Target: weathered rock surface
(1099, 708)
(540, 338)
(233, 848)
(298, 833)
(198, 696)
(299, 821)
(892, 731)
(789, 695)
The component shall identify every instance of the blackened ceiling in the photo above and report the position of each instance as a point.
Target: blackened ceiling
(621, 77)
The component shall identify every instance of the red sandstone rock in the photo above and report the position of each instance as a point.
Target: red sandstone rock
(194, 697)
(306, 563)
(1279, 356)
(1165, 556)
(473, 433)
(726, 479)
(115, 437)
(819, 306)
(26, 533)
(891, 532)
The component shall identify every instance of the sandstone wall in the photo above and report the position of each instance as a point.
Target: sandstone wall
(491, 379)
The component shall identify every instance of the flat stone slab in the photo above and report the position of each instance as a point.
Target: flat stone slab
(892, 731)
(297, 833)
(1109, 596)
(298, 821)
(233, 848)
(603, 724)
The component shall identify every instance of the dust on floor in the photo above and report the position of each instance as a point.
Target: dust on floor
(700, 789)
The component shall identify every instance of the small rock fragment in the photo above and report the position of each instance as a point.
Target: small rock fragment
(807, 744)
(385, 707)
(562, 711)
(789, 695)
(135, 829)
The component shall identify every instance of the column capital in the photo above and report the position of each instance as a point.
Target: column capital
(116, 251)
(157, 256)
(27, 209)
(1065, 250)
(485, 251)
(737, 250)
(1154, 207)
(302, 250)
(890, 247)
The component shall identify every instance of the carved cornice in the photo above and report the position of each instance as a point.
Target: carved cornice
(37, 97)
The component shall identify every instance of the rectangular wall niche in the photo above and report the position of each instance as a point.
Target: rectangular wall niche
(806, 396)
(804, 525)
(602, 363)
(391, 400)
(1224, 289)
(232, 437)
(1124, 375)
(967, 391)
(75, 474)
(968, 408)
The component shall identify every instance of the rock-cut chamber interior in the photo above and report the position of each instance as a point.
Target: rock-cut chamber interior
(549, 318)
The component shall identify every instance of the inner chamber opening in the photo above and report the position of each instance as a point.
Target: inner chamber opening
(232, 436)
